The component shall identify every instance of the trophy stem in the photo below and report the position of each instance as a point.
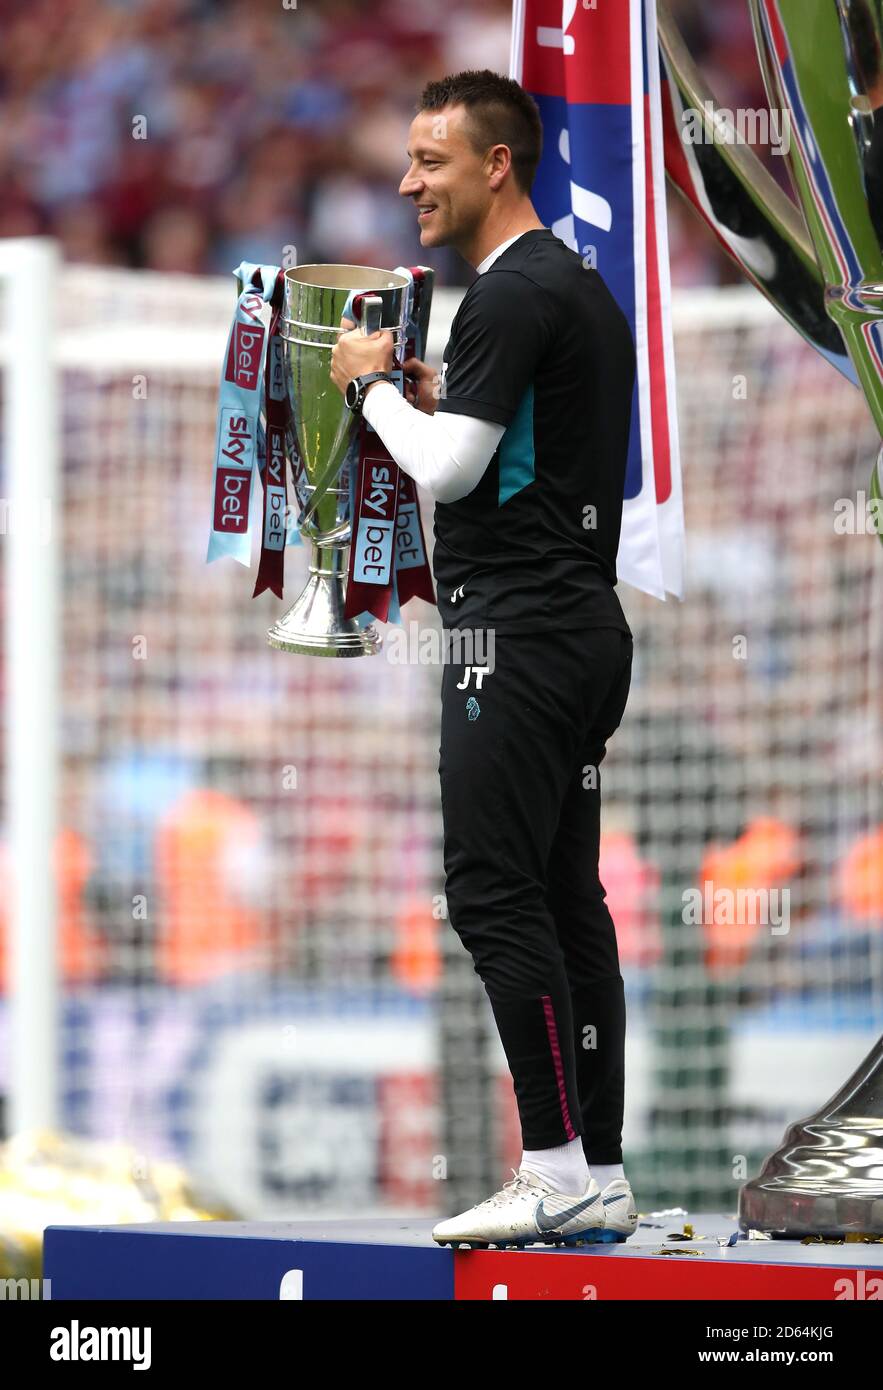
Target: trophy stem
(315, 625)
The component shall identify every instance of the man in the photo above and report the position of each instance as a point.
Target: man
(525, 454)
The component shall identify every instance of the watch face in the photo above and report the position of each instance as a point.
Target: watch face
(352, 394)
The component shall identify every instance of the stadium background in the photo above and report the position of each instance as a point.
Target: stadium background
(258, 976)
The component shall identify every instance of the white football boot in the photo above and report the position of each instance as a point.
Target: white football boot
(620, 1212)
(527, 1211)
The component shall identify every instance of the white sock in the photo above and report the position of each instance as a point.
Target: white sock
(603, 1173)
(564, 1168)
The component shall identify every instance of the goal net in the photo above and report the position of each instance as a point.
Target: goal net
(256, 973)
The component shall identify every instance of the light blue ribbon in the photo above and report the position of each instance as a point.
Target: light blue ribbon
(236, 448)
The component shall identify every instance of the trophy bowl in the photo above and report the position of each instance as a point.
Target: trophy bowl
(315, 298)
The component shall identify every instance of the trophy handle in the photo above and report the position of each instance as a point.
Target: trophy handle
(368, 309)
(822, 269)
(425, 304)
(759, 226)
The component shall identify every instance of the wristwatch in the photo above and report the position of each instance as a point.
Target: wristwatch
(355, 391)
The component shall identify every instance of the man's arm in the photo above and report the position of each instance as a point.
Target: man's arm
(502, 332)
(446, 454)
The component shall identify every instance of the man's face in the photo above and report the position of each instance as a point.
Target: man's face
(447, 179)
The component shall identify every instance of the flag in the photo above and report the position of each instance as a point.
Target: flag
(600, 187)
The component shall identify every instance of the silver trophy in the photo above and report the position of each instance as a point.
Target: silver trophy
(821, 265)
(314, 301)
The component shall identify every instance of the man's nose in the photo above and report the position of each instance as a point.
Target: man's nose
(410, 185)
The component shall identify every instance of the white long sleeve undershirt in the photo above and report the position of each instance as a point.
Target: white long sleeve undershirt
(445, 453)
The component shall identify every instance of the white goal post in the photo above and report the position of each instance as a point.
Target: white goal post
(30, 273)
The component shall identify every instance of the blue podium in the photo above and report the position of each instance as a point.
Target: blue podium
(396, 1259)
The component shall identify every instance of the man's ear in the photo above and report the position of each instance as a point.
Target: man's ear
(500, 162)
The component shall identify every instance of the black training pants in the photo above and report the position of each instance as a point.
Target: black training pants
(519, 757)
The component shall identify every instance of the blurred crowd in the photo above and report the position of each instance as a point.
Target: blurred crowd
(190, 134)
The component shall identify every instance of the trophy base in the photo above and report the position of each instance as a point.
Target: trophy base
(783, 1209)
(826, 1178)
(315, 625)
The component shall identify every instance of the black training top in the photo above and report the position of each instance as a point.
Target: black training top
(539, 345)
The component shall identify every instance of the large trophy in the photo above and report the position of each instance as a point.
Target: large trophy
(822, 63)
(315, 298)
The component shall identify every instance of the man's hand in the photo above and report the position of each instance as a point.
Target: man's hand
(422, 385)
(354, 354)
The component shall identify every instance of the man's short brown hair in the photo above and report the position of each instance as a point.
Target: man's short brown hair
(499, 113)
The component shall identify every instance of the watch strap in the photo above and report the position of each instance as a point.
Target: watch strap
(363, 382)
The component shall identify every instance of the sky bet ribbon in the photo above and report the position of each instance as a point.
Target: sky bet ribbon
(413, 579)
(388, 553)
(387, 563)
(278, 447)
(253, 379)
(239, 417)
